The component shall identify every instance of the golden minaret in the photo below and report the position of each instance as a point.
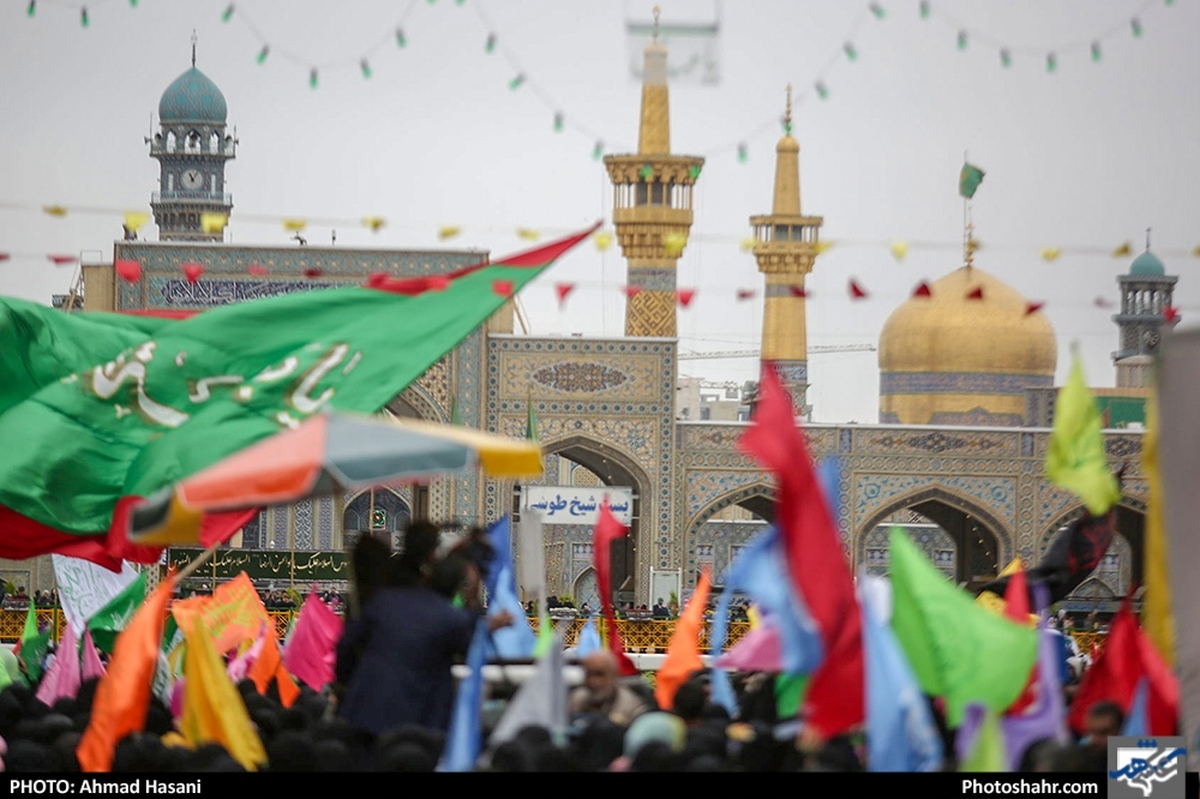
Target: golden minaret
(652, 205)
(785, 247)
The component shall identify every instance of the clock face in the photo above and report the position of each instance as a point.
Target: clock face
(192, 179)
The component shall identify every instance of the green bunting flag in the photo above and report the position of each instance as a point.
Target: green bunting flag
(530, 419)
(1075, 457)
(969, 180)
(110, 620)
(958, 649)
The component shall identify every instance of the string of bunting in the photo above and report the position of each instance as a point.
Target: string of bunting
(395, 36)
(131, 271)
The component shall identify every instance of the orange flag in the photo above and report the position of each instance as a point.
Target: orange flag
(683, 653)
(268, 665)
(233, 614)
(123, 695)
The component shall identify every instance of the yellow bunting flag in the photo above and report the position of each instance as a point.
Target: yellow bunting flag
(55, 210)
(135, 219)
(603, 240)
(213, 710)
(1050, 253)
(213, 222)
(899, 250)
(822, 246)
(527, 234)
(295, 225)
(1196, 251)
(373, 222)
(448, 232)
(673, 244)
(748, 243)
(1122, 251)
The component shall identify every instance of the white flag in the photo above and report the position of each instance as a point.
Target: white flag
(84, 587)
(541, 700)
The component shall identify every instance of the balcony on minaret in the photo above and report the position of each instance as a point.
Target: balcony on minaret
(786, 243)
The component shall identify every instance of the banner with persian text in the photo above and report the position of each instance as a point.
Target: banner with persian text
(577, 504)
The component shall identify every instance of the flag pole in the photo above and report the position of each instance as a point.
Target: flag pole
(199, 560)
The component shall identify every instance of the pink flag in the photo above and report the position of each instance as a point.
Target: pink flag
(240, 665)
(757, 650)
(92, 667)
(63, 678)
(309, 655)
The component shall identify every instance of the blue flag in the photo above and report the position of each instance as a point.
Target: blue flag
(1137, 723)
(589, 639)
(464, 739)
(761, 572)
(829, 475)
(517, 640)
(901, 733)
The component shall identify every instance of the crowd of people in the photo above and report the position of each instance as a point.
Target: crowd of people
(410, 618)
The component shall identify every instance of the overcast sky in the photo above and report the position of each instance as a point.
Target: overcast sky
(1082, 158)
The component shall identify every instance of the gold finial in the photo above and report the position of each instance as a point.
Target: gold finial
(193, 47)
(787, 114)
(1147, 239)
(657, 11)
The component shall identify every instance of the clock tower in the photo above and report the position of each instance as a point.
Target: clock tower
(191, 147)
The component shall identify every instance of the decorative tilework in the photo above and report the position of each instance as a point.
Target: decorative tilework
(302, 513)
(324, 527)
(573, 377)
(959, 383)
(280, 518)
(926, 439)
(650, 279)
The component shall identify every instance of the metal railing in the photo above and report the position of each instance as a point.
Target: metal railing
(641, 637)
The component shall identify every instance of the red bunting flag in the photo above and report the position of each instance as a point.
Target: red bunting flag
(4, 256)
(130, 271)
(258, 270)
(1101, 302)
(798, 291)
(503, 287)
(563, 290)
(1033, 307)
(62, 260)
(857, 292)
(632, 291)
(685, 296)
(922, 290)
(746, 294)
(1170, 314)
(312, 272)
(193, 272)
(975, 293)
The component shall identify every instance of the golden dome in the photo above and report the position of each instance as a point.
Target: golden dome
(955, 358)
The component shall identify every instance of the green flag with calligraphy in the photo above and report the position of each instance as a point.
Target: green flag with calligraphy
(100, 410)
(108, 621)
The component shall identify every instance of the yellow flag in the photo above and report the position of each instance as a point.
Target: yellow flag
(55, 210)
(527, 234)
(603, 240)
(374, 222)
(899, 250)
(1050, 253)
(1158, 617)
(1125, 248)
(992, 601)
(448, 232)
(213, 710)
(213, 222)
(748, 243)
(1075, 457)
(294, 225)
(135, 219)
(822, 246)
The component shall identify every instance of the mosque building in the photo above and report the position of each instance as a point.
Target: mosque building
(966, 386)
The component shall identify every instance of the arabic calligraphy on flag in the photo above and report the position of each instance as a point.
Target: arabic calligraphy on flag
(578, 505)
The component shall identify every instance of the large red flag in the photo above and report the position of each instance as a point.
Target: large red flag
(607, 530)
(1016, 607)
(1127, 656)
(834, 701)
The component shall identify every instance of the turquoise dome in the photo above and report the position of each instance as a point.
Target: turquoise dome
(192, 97)
(1147, 264)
